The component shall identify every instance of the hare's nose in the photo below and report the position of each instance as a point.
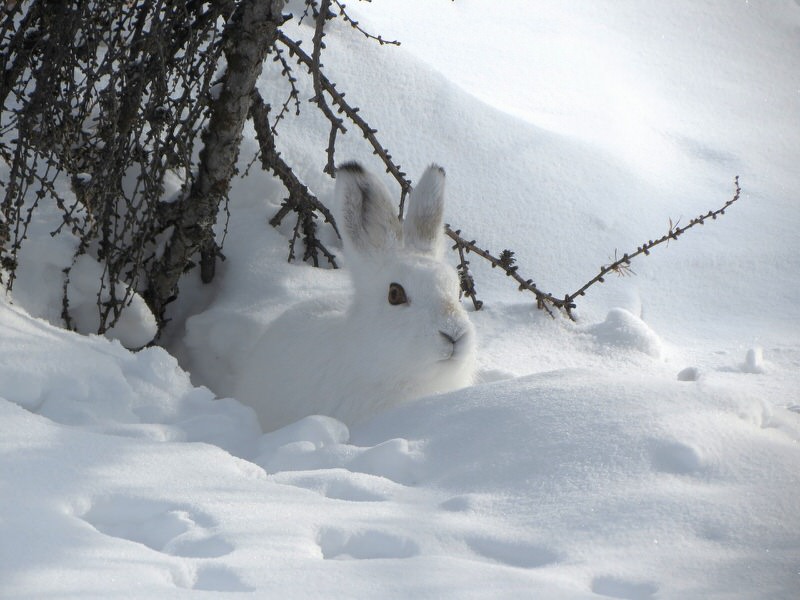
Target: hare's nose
(449, 337)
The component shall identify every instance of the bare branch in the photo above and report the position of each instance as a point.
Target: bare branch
(319, 97)
(354, 24)
(294, 93)
(543, 300)
(300, 199)
(622, 265)
(466, 280)
(296, 50)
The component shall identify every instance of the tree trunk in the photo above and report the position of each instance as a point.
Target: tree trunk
(251, 31)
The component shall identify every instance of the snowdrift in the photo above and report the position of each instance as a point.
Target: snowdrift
(568, 484)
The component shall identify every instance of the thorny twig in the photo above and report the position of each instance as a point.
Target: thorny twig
(300, 199)
(316, 74)
(505, 261)
(355, 25)
(505, 264)
(368, 132)
(620, 266)
(466, 280)
(294, 93)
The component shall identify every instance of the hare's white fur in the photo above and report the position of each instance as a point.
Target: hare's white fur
(349, 360)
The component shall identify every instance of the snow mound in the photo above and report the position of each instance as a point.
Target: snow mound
(572, 483)
(95, 383)
(319, 442)
(754, 361)
(689, 374)
(624, 330)
(313, 432)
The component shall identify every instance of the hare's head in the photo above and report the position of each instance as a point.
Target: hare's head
(406, 301)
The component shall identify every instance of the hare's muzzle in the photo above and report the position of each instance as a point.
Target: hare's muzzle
(452, 341)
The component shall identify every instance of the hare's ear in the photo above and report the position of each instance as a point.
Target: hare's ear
(368, 221)
(422, 228)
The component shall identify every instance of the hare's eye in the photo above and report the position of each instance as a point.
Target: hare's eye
(397, 295)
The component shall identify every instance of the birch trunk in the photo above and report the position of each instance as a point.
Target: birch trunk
(247, 37)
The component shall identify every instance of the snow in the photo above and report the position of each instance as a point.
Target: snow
(647, 450)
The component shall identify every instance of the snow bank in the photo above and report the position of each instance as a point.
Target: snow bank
(95, 383)
(572, 484)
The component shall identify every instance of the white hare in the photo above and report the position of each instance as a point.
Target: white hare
(403, 334)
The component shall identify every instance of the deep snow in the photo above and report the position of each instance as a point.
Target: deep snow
(648, 450)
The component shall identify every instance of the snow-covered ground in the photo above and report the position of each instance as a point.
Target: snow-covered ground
(647, 450)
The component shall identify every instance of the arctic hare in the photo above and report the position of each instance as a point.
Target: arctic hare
(403, 334)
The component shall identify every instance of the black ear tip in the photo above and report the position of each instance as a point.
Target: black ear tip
(438, 168)
(351, 167)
